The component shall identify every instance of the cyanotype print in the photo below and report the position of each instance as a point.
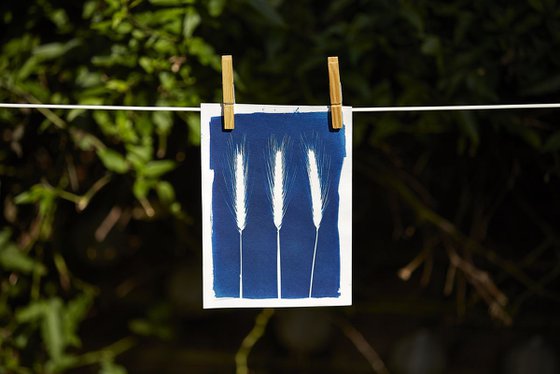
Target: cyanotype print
(277, 208)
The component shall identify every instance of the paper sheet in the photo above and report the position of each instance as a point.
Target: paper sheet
(277, 207)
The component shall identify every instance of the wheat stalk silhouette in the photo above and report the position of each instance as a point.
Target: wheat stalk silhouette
(277, 188)
(240, 202)
(318, 184)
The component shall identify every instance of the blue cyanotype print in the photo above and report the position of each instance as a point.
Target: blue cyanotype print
(275, 206)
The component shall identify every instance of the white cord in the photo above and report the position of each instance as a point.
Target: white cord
(356, 109)
(103, 107)
(455, 107)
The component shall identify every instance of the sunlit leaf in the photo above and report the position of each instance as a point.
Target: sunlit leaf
(51, 329)
(74, 312)
(141, 187)
(216, 7)
(31, 312)
(13, 259)
(194, 129)
(54, 50)
(165, 192)
(191, 21)
(139, 155)
(163, 121)
(37, 193)
(113, 160)
(157, 168)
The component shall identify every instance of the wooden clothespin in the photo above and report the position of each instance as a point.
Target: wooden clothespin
(335, 89)
(228, 92)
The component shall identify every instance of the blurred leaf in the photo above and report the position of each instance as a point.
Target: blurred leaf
(139, 155)
(54, 50)
(49, 313)
(5, 235)
(118, 85)
(74, 312)
(73, 114)
(13, 259)
(125, 128)
(51, 329)
(59, 18)
(167, 19)
(191, 21)
(431, 46)
(47, 205)
(141, 327)
(32, 312)
(193, 121)
(113, 160)
(204, 51)
(28, 68)
(163, 121)
(89, 8)
(144, 127)
(155, 169)
(109, 367)
(37, 193)
(165, 192)
(150, 327)
(175, 208)
(105, 122)
(85, 142)
(216, 7)
(141, 188)
(119, 16)
(146, 63)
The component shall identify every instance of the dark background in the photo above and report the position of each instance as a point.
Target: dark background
(456, 214)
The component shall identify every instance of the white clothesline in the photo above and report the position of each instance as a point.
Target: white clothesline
(354, 109)
(454, 107)
(102, 107)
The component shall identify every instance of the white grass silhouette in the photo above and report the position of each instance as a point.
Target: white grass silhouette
(278, 187)
(240, 202)
(318, 183)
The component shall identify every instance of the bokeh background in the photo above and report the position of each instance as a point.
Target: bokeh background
(456, 214)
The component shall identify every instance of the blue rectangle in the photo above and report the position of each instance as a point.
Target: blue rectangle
(258, 140)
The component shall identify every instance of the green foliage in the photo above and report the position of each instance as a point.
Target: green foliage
(95, 52)
(58, 324)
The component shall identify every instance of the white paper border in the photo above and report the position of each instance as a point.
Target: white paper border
(210, 301)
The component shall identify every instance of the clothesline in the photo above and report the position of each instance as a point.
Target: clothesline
(102, 107)
(354, 109)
